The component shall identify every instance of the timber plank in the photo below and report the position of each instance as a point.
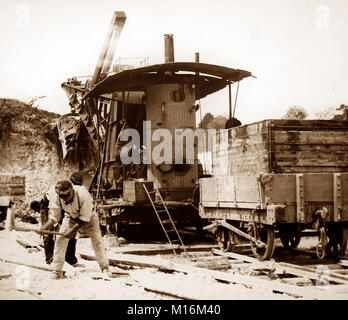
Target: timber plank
(279, 124)
(310, 137)
(248, 281)
(298, 281)
(282, 267)
(283, 146)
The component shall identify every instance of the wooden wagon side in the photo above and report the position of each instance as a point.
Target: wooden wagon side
(12, 188)
(282, 146)
(279, 174)
(280, 198)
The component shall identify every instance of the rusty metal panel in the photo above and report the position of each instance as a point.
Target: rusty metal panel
(170, 106)
(281, 188)
(318, 187)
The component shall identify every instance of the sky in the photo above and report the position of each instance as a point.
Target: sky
(296, 49)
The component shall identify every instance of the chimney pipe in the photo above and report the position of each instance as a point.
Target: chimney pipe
(196, 56)
(168, 48)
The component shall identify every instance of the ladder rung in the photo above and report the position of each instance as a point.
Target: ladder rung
(165, 223)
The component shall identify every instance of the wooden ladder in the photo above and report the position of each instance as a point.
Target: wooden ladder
(165, 219)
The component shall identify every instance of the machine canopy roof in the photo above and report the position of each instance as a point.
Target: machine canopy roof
(208, 78)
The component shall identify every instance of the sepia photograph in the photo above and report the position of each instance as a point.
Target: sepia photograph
(174, 156)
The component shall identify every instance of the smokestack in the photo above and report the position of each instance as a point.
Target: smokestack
(168, 48)
(196, 56)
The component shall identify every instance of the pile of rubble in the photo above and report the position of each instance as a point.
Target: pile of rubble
(30, 147)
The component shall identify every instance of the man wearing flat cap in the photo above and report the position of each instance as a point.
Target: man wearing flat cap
(77, 204)
(76, 178)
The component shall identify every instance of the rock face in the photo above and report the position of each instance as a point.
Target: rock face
(29, 146)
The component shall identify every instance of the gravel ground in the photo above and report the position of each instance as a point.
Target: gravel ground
(80, 284)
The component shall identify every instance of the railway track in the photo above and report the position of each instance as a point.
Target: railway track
(314, 274)
(305, 278)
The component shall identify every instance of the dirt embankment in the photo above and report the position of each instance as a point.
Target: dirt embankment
(29, 146)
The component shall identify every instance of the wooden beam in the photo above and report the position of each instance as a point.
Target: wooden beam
(235, 256)
(35, 294)
(249, 281)
(288, 268)
(25, 264)
(241, 233)
(66, 267)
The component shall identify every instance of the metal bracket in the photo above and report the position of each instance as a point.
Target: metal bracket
(300, 198)
(275, 213)
(337, 200)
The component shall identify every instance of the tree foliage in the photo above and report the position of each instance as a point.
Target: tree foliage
(333, 113)
(208, 117)
(344, 115)
(211, 122)
(217, 123)
(295, 113)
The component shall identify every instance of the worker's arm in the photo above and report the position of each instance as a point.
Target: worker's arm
(54, 217)
(85, 213)
(48, 225)
(71, 233)
(54, 207)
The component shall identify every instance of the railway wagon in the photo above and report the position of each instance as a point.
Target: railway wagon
(279, 178)
(12, 188)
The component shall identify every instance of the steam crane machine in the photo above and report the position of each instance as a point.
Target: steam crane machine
(137, 173)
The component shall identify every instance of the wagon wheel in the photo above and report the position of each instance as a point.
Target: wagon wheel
(266, 235)
(290, 239)
(223, 239)
(338, 238)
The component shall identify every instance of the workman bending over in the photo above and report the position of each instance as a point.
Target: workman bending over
(48, 239)
(77, 204)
